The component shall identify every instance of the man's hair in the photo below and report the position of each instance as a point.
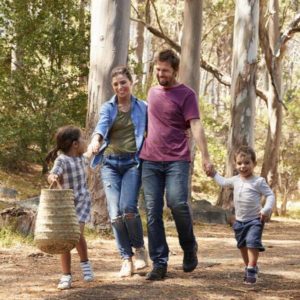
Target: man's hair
(246, 150)
(169, 56)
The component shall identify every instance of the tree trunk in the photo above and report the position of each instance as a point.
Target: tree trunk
(189, 72)
(148, 65)
(82, 29)
(284, 204)
(244, 63)
(109, 48)
(139, 47)
(271, 155)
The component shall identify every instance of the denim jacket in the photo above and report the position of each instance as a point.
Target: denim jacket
(108, 115)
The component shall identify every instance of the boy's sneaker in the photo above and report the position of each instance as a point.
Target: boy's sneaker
(87, 271)
(245, 273)
(141, 258)
(251, 275)
(65, 282)
(157, 273)
(127, 268)
(190, 260)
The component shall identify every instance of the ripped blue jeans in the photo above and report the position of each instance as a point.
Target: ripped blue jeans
(121, 179)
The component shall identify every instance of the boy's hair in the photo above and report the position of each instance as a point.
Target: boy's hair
(169, 56)
(64, 137)
(121, 70)
(246, 150)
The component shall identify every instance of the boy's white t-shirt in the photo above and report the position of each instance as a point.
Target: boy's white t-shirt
(247, 195)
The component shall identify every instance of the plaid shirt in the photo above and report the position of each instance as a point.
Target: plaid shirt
(72, 172)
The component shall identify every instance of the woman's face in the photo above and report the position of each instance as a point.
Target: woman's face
(121, 86)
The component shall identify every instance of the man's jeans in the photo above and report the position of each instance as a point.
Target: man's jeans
(121, 181)
(172, 177)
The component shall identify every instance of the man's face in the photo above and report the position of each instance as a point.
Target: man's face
(165, 74)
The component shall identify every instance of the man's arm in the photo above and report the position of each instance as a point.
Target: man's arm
(199, 137)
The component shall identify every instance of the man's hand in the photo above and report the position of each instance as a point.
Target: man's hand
(208, 168)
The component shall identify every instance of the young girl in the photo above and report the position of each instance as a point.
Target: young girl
(69, 171)
(250, 216)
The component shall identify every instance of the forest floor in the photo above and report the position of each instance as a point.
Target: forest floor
(26, 273)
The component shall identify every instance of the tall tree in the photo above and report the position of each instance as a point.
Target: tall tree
(243, 90)
(189, 72)
(269, 38)
(138, 44)
(110, 21)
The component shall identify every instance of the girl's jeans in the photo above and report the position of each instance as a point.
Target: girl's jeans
(122, 180)
(172, 178)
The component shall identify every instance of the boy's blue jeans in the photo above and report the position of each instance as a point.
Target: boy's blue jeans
(121, 181)
(172, 178)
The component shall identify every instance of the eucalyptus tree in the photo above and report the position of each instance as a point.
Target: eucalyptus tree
(273, 45)
(110, 21)
(189, 72)
(243, 85)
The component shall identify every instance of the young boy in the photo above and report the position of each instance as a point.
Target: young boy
(250, 216)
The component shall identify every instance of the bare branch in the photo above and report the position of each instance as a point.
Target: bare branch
(287, 35)
(223, 78)
(157, 18)
(136, 11)
(207, 33)
(278, 52)
(159, 34)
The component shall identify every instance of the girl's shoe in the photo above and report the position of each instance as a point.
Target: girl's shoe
(141, 258)
(127, 268)
(65, 282)
(87, 271)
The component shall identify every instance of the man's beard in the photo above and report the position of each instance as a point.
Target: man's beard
(163, 82)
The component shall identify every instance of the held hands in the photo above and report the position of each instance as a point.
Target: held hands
(209, 169)
(94, 145)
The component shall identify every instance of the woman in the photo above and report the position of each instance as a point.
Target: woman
(117, 141)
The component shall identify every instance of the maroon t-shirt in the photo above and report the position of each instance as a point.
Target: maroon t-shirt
(169, 113)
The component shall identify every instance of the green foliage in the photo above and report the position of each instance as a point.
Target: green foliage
(216, 131)
(294, 214)
(45, 89)
(9, 238)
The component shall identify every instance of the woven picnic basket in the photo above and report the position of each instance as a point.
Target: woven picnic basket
(57, 229)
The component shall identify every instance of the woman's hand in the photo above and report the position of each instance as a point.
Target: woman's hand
(95, 144)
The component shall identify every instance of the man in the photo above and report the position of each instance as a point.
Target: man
(172, 109)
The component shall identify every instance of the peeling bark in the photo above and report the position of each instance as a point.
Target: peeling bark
(189, 72)
(222, 77)
(243, 95)
(109, 48)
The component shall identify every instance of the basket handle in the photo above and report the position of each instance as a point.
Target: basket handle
(56, 184)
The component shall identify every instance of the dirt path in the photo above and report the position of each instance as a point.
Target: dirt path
(26, 273)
